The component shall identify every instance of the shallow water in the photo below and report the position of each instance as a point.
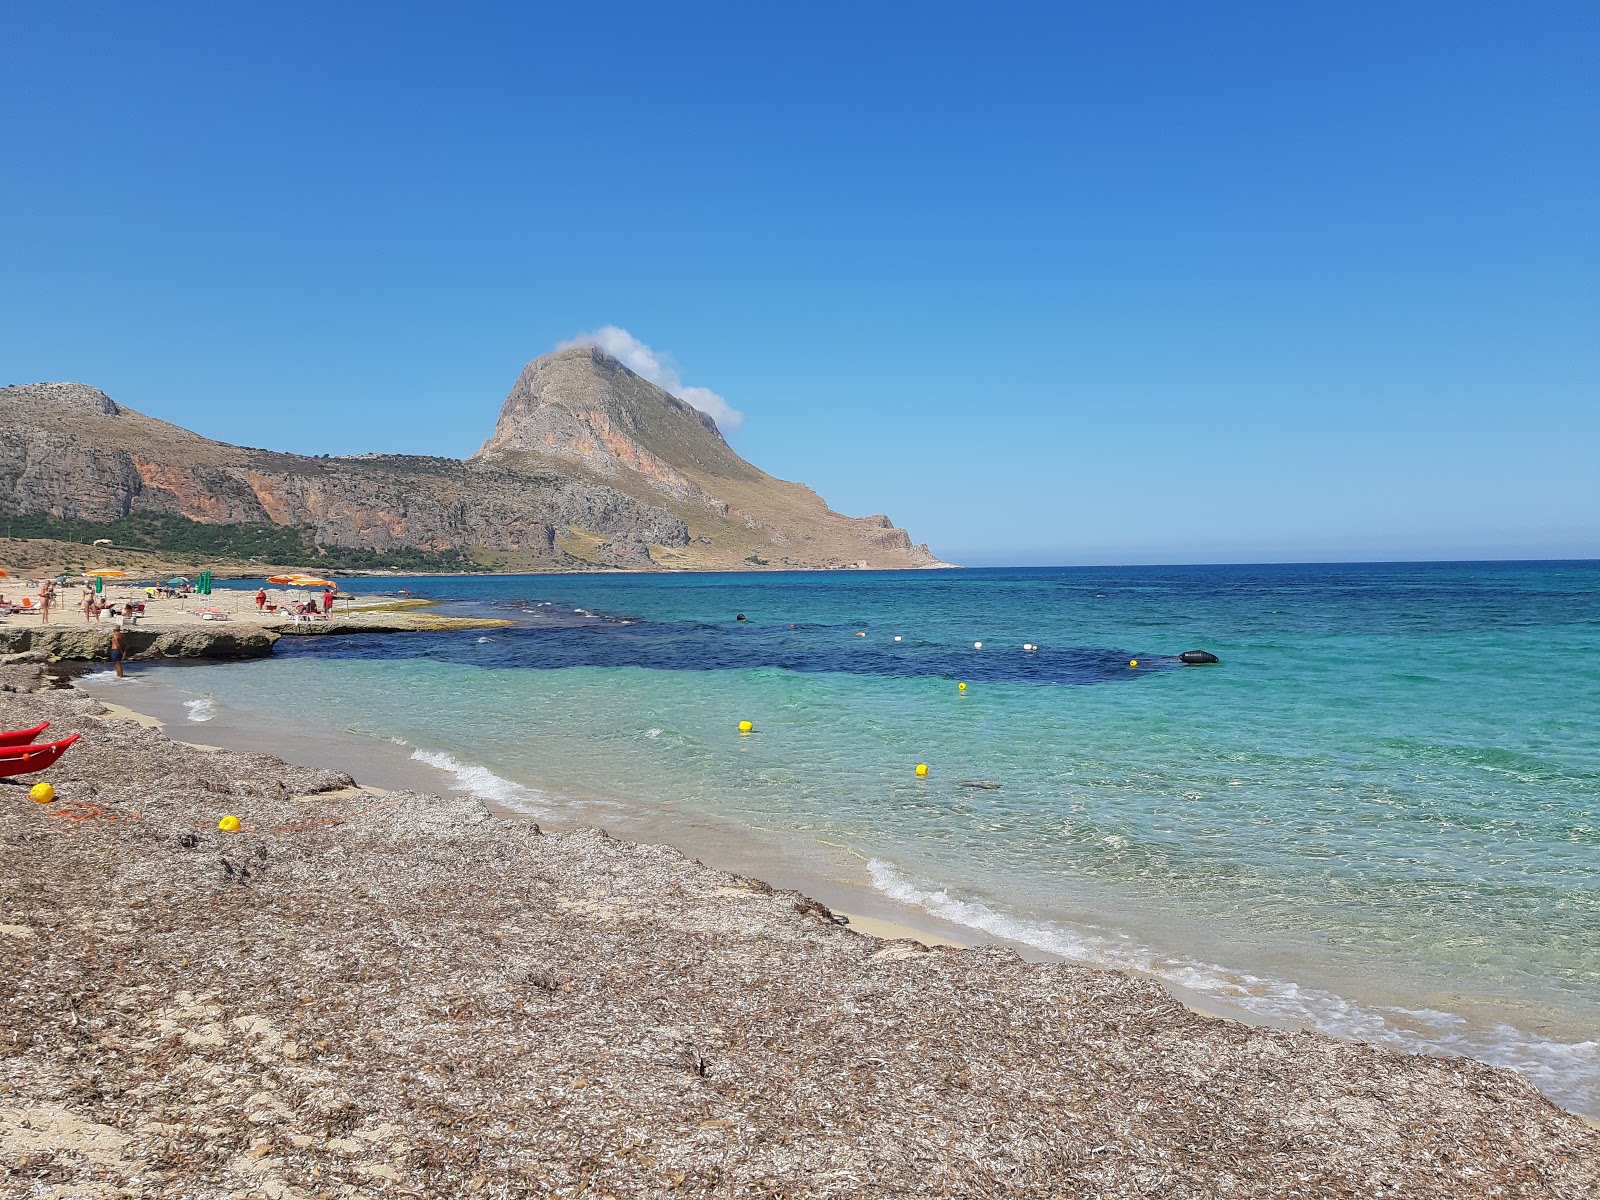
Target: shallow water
(1380, 815)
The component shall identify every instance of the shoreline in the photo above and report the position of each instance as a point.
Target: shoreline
(724, 845)
(718, 844)
(373, 983)
(867, 911)
(1361, 1007)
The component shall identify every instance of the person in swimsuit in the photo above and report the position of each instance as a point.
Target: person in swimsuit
(119, 647)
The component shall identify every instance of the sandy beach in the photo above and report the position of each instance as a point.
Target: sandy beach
(224, 625)
(368, 992)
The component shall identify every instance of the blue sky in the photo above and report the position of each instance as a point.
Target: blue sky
(1057, 283)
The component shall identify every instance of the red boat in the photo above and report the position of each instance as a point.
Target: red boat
(24, 760)
(21, 737)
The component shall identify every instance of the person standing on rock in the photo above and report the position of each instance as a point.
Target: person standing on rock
(46, 594)
(261, 599)
(88, 606)
(327, 602)
(119, 648)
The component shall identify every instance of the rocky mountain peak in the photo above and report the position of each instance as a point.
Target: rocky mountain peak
(590, 465)
(62, 399)
(583, 406)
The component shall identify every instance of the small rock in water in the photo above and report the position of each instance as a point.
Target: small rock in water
(988, 785)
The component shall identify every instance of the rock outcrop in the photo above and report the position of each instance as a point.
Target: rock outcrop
(93, 643)
(581, 411)
(588, 465)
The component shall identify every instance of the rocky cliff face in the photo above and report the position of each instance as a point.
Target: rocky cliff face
(588, 465)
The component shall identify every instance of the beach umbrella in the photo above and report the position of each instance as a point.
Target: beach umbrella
(100, 576)
(203, 584)
(175, 580)
(4, 573)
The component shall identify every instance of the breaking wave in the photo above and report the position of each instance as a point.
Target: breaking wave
(485, 785)
(1567, 1072)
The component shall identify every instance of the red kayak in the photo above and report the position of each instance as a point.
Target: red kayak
(21, 737)
(24, 760)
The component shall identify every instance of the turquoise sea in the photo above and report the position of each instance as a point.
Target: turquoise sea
(1378, 816)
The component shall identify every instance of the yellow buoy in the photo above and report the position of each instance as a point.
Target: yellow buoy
(922, 770)
(1133, 662)
(746, 727)
(41, 793)
(961, 687)
(229, 824)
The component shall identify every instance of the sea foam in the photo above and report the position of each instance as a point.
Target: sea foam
(201, 708)
(485, 784)
(1568, 1072)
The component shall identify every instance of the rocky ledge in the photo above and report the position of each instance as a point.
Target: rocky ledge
(93, 643)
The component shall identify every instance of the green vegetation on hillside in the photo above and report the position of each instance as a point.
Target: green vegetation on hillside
(185, 539)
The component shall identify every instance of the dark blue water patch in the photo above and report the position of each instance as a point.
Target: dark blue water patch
(555, 644)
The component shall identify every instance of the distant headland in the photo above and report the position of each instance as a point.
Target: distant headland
(590, 467)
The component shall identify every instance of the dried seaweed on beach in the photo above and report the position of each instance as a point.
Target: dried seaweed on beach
(400, 995)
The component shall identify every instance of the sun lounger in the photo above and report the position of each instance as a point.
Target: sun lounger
(210, 614)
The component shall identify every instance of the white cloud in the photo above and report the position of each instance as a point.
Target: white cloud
(659, 369)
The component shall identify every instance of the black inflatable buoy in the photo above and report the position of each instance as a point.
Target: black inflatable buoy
(1197, 658)
(740, 617)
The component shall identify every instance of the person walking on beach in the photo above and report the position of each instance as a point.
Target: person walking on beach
(119, 646)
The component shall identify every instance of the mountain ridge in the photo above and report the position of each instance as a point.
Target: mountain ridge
(589, 465)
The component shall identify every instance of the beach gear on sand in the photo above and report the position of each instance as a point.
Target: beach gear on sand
(229, 824)
(24, 760)
(22, 737)
(41, 793)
